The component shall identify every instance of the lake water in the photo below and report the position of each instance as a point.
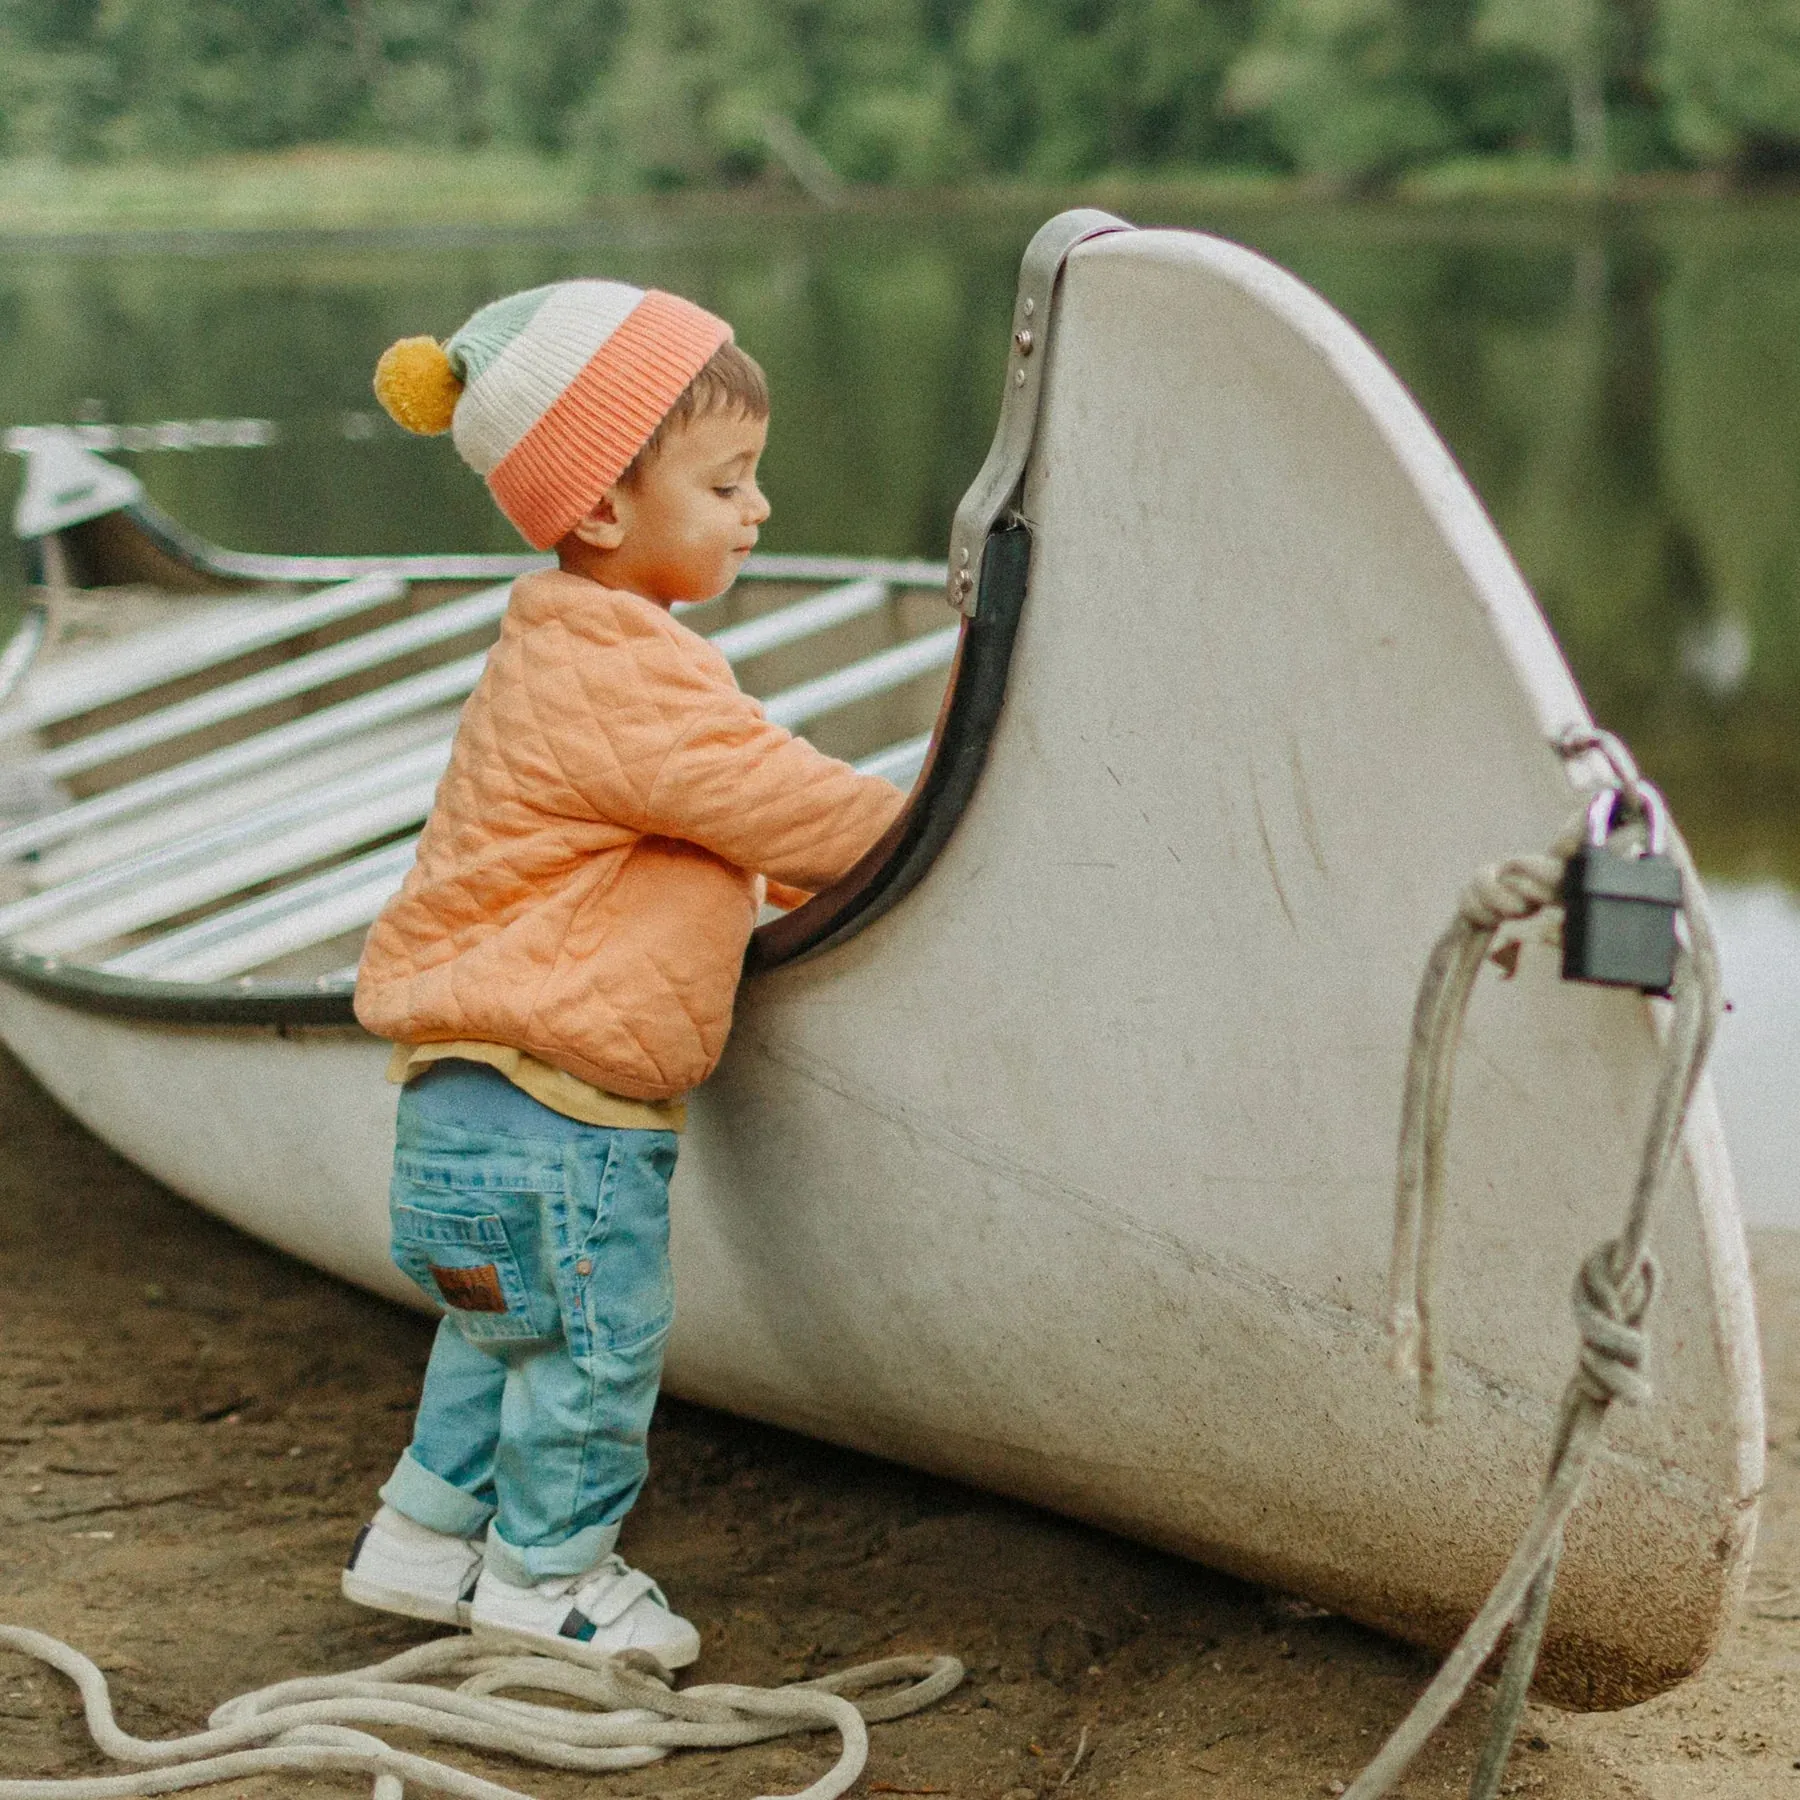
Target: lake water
(1621, 384)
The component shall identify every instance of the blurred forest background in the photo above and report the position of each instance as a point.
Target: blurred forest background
(651, 95)
(1620, 380)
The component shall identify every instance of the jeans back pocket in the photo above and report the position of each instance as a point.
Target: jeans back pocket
(456, 1247)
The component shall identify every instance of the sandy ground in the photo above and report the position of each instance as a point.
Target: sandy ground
(191, 1427)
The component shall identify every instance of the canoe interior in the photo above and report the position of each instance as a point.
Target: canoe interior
(227, 788)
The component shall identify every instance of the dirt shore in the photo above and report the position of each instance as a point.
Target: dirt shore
(191, 1427)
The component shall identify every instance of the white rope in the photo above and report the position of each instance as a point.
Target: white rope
(1612, 1292)
(310, 1725)
(1507, 891)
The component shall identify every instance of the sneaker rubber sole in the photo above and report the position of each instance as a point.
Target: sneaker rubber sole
(676, 1653)
(380, 1598)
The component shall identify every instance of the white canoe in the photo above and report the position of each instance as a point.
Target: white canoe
(1055, 1151)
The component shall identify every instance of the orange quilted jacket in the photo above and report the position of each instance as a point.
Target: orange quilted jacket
(587, 880)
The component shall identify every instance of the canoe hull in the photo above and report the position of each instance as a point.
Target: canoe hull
(849, 1267)
(1073, 1175)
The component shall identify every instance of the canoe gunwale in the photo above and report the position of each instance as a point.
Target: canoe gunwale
(959, 749)
(21, 649)
(92, 990)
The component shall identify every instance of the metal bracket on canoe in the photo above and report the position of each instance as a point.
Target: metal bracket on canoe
(995, 488)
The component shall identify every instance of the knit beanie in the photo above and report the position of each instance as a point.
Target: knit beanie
(550, 393)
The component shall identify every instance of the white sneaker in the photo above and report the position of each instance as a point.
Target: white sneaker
(586, 1618)
(400, 1566)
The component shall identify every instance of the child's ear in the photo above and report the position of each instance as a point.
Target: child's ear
(604, 526)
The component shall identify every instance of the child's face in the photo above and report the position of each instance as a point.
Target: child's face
(682, 528)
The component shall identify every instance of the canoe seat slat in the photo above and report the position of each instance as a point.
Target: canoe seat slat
(203, 881)
(766, 565)
(878, 674)
(146, 659)
(899, 763)
(280, 822)
(414, 693)
(241, 938)
(805, 618)
(181, 818)
(293, 918)
(406, 637)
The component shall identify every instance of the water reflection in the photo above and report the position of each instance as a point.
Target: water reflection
(1622, 385)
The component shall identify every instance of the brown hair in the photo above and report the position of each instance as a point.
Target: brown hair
(730, 381)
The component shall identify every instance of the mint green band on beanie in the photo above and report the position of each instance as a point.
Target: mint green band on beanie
(489, 331)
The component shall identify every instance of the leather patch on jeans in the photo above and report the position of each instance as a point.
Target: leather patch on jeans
(471, 1290)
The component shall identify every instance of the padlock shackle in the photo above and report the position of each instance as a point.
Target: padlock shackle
(1650, 806)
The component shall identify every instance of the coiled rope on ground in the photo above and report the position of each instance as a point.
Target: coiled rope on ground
(311, 1725)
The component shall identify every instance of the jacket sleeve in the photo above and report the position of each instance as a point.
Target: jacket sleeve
(750, 791)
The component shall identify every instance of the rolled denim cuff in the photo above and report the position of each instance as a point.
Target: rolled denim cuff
(544, 1562)
(431, 1501)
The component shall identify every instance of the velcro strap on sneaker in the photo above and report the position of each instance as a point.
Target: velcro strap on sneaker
(612, 1596)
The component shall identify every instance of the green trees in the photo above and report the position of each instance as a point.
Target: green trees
(1575, 39)
(1065, 88)
(83, 78)
(715, 90)
(58, 85)
(1731, 71)
(1349, 89)
(660, 93)
(1352, 90)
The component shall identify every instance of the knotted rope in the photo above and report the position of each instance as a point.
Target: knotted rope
(1612, 1292)
(310, 1725)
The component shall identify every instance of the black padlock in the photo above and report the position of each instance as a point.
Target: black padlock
(1618, 909)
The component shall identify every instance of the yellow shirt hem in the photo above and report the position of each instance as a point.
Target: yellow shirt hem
(545, 1083)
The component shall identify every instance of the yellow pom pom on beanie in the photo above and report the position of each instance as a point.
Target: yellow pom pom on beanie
(550, 393)
(417, 384)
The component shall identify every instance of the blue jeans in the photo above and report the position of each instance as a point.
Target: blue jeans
(547, 1242)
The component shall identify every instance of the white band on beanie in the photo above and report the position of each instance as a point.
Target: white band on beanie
(503, 402)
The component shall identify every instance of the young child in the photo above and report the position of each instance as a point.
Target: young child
(559, 967)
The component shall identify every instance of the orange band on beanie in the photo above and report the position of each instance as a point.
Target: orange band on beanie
(586, 439)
